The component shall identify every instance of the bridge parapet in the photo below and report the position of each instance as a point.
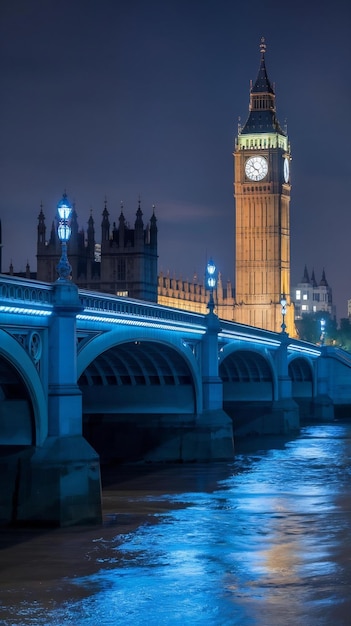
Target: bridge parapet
(105, 303)
(18, 295)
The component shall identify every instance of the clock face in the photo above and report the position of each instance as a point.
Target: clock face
(286, 169)
(256, 168)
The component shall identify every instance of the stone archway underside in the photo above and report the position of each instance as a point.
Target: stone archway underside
(246, 376)
(134, 393)
(247, 390)
(302, 385)
(142, 377)
(16, 411)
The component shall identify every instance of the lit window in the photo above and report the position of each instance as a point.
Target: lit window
(305, 297)
(97, 253)
(304, 307)
(298, 294)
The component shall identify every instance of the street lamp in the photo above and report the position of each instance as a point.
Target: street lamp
(283, 304)
(211, 283)
(322, 331)
(64, 210)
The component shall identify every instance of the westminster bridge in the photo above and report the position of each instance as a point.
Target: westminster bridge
(89, 378)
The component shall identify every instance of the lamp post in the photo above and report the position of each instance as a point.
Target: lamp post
(283, 304)
(211, 283)
(64, 210)
(322, 331)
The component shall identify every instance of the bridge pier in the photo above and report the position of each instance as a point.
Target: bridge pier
(323, 406)
(187, 438)
(285, 417)
(201, 436)
(65, 471)
(65, 484)
(285, 411)
(215, 422)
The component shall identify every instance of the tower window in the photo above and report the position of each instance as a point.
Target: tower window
(121, 269)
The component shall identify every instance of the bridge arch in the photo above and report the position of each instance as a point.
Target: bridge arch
(103, 342)
(132, 383)
(302, 382)
(249, 387)
(23, 418)
(247, 374)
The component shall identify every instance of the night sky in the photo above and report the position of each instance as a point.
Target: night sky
(132, 98)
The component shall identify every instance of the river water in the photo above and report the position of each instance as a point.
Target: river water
(264, 540)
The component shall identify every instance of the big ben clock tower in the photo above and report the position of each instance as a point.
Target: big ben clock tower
(262, 199)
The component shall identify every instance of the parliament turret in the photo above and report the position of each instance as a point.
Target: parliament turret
(124, 263)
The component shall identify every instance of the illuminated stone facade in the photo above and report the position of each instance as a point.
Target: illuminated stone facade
(193, 296)
(262, 198)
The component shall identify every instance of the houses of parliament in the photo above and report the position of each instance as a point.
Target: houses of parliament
(123, 260)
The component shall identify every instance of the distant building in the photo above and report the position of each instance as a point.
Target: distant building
(124, 263)
(312, 297)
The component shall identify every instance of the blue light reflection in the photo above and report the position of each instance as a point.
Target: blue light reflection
(267, 545)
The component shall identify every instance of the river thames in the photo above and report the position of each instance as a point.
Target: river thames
(263, 540)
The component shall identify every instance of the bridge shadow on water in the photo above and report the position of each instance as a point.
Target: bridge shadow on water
(171, 477)
(248, 445)
(133, 493)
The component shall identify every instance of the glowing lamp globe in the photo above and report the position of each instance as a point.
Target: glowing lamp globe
(211, 283)
(63, 232)
(211, 278)
(64, 208)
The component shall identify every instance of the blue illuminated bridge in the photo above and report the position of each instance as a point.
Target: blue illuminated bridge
(89, 378)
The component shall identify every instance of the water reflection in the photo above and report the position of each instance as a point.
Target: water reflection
(261, 541)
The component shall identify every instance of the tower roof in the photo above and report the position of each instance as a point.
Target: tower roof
(305, 278)
(324, 282)
(262, 84)
(313, 279)
(262, 117)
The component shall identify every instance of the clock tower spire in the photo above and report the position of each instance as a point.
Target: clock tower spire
(262, 201)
